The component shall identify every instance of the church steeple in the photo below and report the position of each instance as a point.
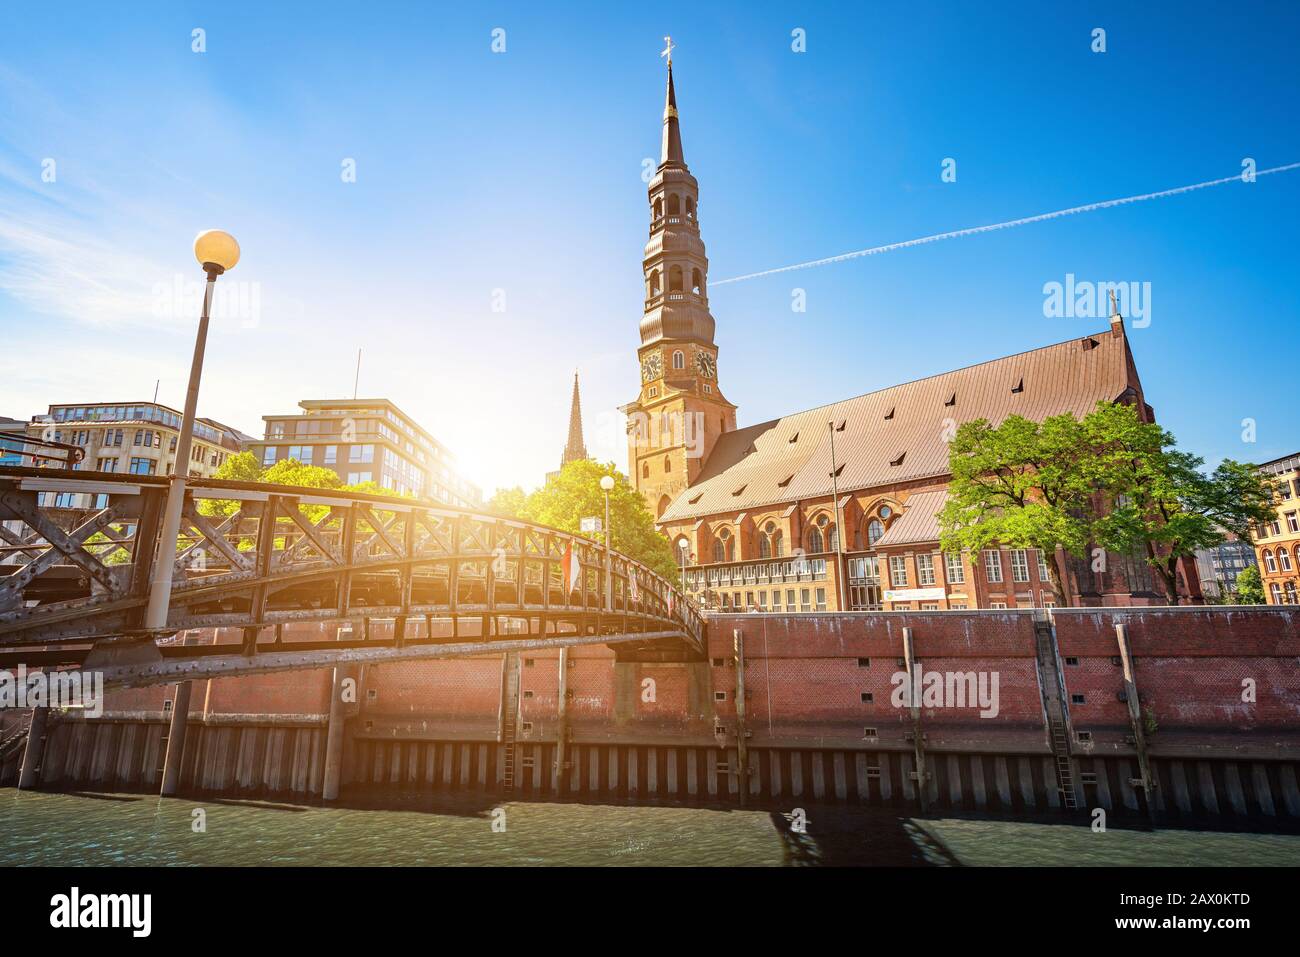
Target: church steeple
(671, 153)
(680, 411)
(575, 449)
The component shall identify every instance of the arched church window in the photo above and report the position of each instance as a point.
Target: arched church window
(668, 464)
(874, 531)
(697, 282)
(764, 547)
(679, 360)
(654, 282)
(690, 208)
(659, 207)
(815, 541)
(674, 206)
(675, 279)
(645, 469)
(834, 536)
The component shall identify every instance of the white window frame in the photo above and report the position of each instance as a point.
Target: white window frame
(993, 566)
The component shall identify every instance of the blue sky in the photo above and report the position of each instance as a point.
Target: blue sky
(521, 171)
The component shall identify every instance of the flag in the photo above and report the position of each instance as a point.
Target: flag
(572, 568)
(670, 604)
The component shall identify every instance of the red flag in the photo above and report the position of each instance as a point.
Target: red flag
(572, 568)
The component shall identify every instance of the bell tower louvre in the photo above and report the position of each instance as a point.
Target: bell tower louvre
(680, 412)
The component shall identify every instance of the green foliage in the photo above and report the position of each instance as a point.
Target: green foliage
(1250, 588)
(1020, 484)
(1160, 501)
(1109, 480)
(575, 493)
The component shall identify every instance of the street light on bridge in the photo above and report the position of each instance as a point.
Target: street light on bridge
(216, 252)
(607, 485)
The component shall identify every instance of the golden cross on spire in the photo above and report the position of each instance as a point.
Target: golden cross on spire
(668, 49)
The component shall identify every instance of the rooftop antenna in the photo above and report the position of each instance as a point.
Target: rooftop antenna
(357, 379)
(156, 384)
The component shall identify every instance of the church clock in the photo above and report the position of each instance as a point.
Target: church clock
(707, 365)
(652, 367)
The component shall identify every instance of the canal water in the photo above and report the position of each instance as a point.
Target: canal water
(132, 829)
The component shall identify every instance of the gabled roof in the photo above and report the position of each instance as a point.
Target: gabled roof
(919, 521)
(898, 434)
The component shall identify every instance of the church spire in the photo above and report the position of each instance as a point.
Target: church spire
(574, 450)
(671, 153)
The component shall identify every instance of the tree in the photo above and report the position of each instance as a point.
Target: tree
(1250, 588)
(575, 493)
(1159, 500)
(1019, 484)
(509, 502)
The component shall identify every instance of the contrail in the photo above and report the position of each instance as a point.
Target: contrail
(1104, 204)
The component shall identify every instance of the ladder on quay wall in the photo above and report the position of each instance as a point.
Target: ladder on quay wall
(509, 722)
(1055, 709)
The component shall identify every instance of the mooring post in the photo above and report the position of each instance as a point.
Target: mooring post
(171, 777)
(562, 726)
(34, 750)
(1146, 781)
(742, 745)
(334, 738)
(918, 740)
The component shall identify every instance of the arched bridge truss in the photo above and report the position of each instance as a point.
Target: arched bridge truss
(404, 578)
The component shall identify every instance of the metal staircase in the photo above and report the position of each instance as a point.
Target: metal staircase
(1055, 708)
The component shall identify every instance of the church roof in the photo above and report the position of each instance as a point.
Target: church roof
(898, 434)
(919, 521)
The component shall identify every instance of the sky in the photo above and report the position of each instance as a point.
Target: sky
(490, 241)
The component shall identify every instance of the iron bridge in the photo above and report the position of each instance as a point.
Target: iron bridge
(402, 578)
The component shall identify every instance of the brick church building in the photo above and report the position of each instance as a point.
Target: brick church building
(755, 513)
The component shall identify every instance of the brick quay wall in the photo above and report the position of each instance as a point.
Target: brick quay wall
(1218, 687)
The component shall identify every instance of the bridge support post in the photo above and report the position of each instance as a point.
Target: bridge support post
(562, 726)
(742, 732)
(34, 750)
(171, 776)
(334, 739)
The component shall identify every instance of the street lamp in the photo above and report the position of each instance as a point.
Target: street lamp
(607, 485)
(216, 252)
(683, 544)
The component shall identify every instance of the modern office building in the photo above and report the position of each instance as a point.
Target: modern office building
(9, 446)
(135, 437)
(1219, 567)
(366, 440)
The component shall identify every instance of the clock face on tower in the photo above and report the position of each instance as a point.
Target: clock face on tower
(652, 367)
(707, 365)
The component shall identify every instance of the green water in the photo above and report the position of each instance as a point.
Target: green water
(104, 830)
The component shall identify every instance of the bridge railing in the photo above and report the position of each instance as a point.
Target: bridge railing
(77, 552)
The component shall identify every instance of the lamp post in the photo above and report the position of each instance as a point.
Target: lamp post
(607, 485)
(683, 544)
(216, 252)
